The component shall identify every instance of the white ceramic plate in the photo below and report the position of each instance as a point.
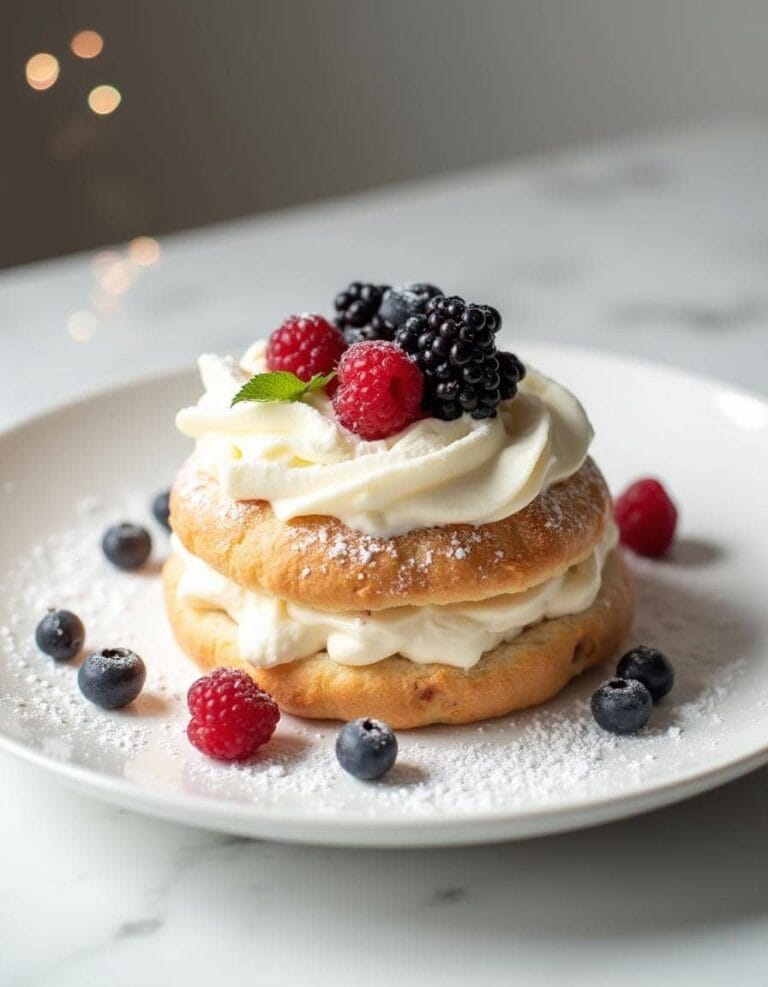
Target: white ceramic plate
(67, 475)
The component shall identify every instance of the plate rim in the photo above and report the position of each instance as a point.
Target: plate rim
(372, 831)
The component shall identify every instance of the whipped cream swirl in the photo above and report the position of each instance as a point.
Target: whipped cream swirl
(272, 631)
(301, 460)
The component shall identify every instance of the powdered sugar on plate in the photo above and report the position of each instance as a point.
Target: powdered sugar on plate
(542, 758)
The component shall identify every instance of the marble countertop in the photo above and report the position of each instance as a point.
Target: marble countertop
(657, 249)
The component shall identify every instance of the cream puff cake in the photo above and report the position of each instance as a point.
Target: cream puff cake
(374, 543)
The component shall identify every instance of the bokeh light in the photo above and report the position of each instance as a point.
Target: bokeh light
(87, 44)
(42, 70)
(102, 260)
(104, 99)
(116, 278)
(82, 325)
(144, 251)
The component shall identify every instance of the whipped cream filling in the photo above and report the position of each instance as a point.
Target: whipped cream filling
(301, 460)
(272, 631)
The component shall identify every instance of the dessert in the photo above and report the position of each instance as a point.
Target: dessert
(420, 539)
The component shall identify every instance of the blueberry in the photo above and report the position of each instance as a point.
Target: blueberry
(622, 705)
(366, 748)
(649, 666)
(127, 545)
(60, 634)
(111, 678)
(161, 508)
(405, 300)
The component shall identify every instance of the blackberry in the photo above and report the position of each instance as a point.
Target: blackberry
(357, 313)
(454, 345)
(511, 371)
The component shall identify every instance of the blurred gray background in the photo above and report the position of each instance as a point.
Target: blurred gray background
(231, 107)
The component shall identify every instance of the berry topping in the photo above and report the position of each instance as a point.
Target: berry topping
(127, 545)
(379, 392)
(405, 300)
(646, 518)
(357, 313)
(111, 678)
(366, 748)
(161, 508)
(231, 716)
(511, 372)
(649, 666)
(622, 705)
(305, 345)
(60, 634)
(454, 346)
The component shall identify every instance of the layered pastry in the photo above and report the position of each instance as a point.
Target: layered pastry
(393, 519)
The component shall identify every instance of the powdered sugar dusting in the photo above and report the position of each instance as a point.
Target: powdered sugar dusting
(542, 758)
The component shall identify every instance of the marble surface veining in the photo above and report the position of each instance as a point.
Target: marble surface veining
(657, 249)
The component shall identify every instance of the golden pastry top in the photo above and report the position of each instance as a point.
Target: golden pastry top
(320, 562)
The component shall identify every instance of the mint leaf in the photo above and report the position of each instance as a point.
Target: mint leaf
(280, 385)
(319, 381)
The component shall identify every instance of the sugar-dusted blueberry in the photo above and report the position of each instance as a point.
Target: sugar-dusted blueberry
(161, 509)
(622, 705)
(404, 300)
(127, 546)
(366, 748)
(60, 634)
(112, 677)
(649, 666)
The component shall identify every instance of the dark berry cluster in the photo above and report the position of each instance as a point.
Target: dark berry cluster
(357, 313)
(454, 345)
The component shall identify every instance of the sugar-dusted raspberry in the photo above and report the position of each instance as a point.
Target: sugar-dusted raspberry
(231, 716)
(306, 345)
(380, 390)
(646, 518)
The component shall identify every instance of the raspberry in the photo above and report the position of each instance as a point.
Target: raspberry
(380, 390)
(646, 518)
(231, 716)
(306, 345)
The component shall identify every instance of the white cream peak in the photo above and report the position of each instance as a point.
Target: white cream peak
(301, 460)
